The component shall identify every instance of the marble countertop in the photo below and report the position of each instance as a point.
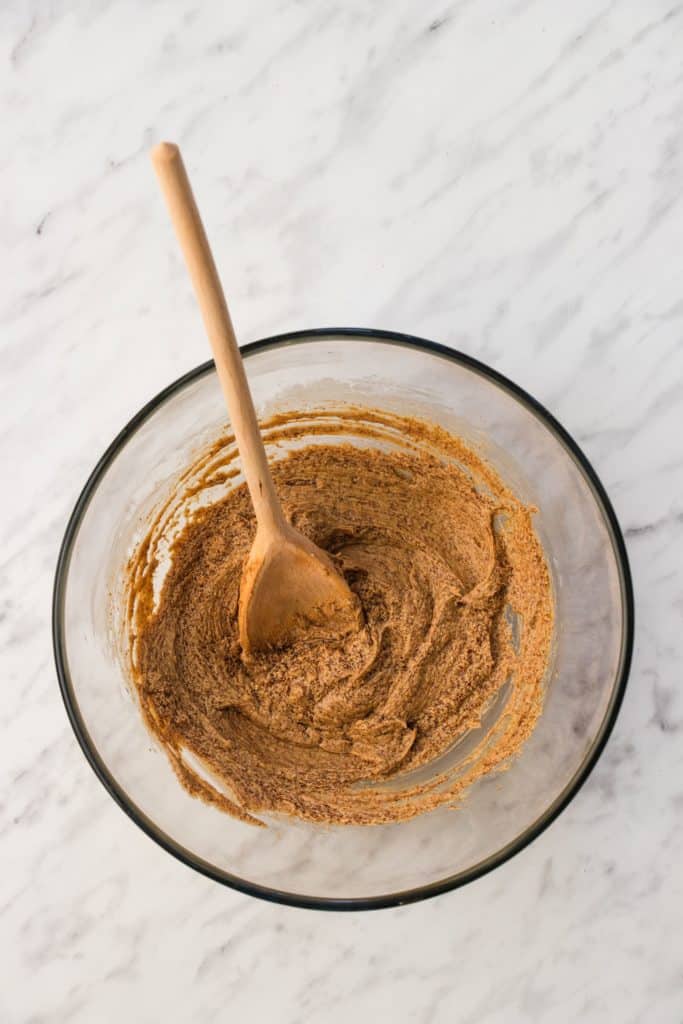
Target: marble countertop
(503, 177)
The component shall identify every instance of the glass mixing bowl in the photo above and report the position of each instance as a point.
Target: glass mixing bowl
(353, 867)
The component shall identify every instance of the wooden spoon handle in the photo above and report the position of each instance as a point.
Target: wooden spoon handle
(170, 169)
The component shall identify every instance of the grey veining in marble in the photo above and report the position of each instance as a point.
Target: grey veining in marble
(504, 177)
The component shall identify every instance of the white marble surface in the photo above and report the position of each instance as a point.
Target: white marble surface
(505, 177)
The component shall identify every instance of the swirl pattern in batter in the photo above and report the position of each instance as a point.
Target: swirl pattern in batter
(457, 604)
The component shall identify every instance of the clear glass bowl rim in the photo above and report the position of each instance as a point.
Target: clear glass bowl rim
(418, 892)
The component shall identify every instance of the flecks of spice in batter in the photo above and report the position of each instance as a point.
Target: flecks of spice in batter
(439, 553)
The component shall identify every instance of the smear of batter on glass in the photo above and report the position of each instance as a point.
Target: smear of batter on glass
(456, 600)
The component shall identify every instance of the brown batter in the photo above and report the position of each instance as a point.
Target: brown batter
(448, 569)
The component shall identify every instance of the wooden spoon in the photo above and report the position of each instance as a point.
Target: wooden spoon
(289, 586)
